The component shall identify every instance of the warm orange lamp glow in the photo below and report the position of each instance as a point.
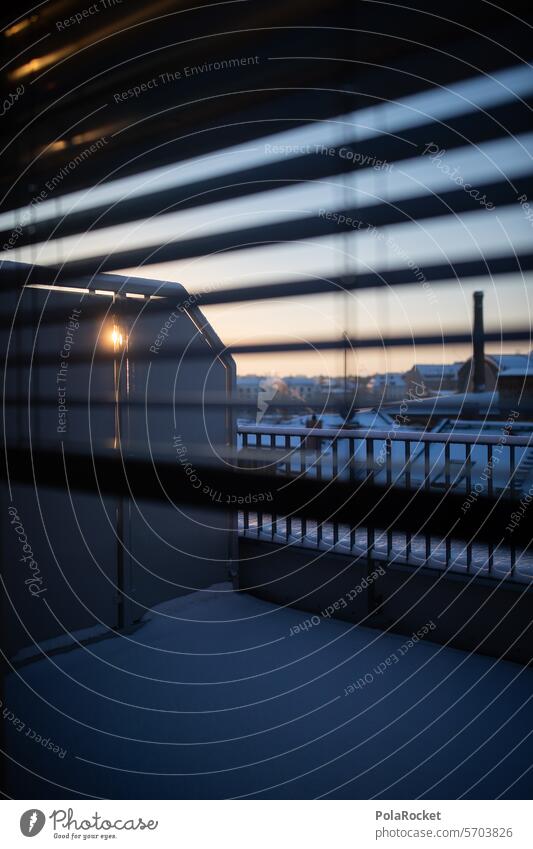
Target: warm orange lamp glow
(19, 26)
(117, 338)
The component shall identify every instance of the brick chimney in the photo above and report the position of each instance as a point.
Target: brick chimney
(478, 344)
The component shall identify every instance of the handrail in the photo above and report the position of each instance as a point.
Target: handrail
(401, 435)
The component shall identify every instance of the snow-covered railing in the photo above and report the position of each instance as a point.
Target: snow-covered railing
(493, 464)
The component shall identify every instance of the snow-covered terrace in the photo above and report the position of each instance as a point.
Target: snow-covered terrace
(213, 698)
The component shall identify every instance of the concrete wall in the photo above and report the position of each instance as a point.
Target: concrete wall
(87, 578)
(474, 615)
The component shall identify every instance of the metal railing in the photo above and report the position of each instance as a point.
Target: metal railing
(474, 464)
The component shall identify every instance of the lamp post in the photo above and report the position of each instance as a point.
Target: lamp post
(120, 359)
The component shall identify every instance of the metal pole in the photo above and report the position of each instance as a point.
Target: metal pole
(478, 340)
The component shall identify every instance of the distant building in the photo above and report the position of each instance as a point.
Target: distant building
(429, 379)
(515, 388)
(495, 365)
(307, 388)
(275, 394)
(387, 387)
(248, 386)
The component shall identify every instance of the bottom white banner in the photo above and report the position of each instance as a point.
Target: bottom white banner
(269, 824)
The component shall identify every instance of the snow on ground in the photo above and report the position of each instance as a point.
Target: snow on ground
(213, 698)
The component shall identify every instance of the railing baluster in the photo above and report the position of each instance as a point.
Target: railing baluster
(512, 473)
(303, 469)
(288, 520)
(335, 461)
(303, 521)
(407, 468)
(468, 465)
(370, 531)
(317, 451)
(427, 485)
(351, 475)
(490, 492)
(351, 450)
(388, 473)
(273, 517)
(447, 485)
(259, 443)
(245, 513)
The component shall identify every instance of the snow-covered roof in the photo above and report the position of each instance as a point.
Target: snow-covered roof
(300, 381)
(248, 380)
(505, 362)
(437, 370)
(451, 404)
(524, 371)
(391, 379)
(469, 404)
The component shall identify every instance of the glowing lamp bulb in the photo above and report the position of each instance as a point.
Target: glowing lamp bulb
(117, 338)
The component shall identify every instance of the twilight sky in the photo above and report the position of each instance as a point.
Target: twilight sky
(370, 313)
